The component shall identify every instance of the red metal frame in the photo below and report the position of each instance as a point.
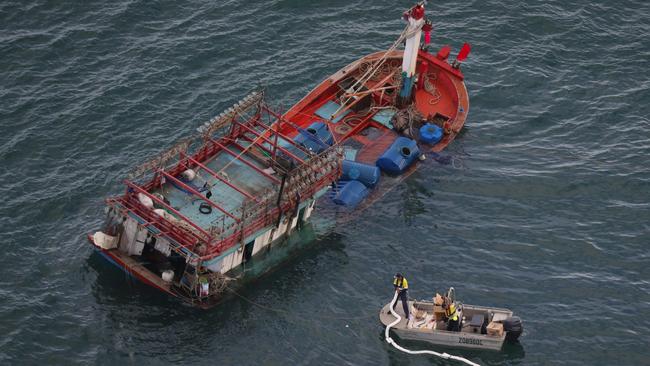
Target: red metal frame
(280, 118)
(269, 141)
(197, 193)
(269, 218)
(141, 190)
(217, 176)
(238, 157)
(165, 227)
(239, 146)
(242, 148)
(287, 138)
(278, 126)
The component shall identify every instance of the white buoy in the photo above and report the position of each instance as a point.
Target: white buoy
(168, 275)
(189, 175)
(145, 200)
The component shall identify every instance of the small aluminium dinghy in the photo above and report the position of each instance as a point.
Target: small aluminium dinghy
(481, 327)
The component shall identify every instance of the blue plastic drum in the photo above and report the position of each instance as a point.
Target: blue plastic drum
(430, 134)
(351, 194)
(366, 174)
(399, 156)
(308, 137)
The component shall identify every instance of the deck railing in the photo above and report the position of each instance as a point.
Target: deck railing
(303, 183)
(310, 174)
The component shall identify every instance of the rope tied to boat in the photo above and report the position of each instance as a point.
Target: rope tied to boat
(405, 120)
(430, 87)
(376, 66)
(392, 342)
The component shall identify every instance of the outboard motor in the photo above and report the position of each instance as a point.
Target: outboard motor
(513, 327)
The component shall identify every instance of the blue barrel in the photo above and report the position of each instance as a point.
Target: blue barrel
(351, 194)
(317, 130)
(364, 173)
(430, 134)
(399, 156)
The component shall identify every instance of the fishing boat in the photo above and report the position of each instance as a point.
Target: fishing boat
(481, 327)
(193, 215)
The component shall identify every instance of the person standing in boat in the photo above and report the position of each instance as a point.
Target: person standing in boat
(401, 287)
(452, 315)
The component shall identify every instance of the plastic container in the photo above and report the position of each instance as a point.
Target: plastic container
(351, 194)
(430, 134)
(318, 130)
(364, 173)
(399, 156)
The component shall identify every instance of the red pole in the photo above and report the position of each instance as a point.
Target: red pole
(197, 193)
(182, 236)
(217, 176)
(280, 118)
(251, 165)
(269, 141)
(275, 142)
(139, 189)
(289, 139)
(424, 68)
(289, 153)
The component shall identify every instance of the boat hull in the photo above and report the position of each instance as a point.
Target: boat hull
(441, 337)
(269, 257)
(131, 267)
(452, 339)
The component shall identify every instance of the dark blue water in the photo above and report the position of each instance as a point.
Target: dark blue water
(545, 210)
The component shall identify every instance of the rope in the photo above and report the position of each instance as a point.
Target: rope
(430, 87)
(390, 340)
(371, 71)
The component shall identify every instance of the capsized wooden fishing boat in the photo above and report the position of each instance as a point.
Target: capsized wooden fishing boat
(481, 327)
(192, 217)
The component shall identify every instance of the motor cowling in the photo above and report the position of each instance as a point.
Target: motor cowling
(513, 326)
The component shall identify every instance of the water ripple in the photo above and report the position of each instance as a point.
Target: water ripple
(544, 209)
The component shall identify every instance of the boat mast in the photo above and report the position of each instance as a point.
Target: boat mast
(415, 19)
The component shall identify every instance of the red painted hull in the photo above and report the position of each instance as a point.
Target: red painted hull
(454, 102)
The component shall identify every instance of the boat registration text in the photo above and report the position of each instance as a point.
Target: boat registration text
(478, 342)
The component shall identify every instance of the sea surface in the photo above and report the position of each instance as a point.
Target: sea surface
(544, 208)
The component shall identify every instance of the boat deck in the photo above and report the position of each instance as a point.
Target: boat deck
(427, 329)
(236, 172)
(368, 133)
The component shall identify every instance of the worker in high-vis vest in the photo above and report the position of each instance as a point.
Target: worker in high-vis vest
(401, 287)
(452, 315)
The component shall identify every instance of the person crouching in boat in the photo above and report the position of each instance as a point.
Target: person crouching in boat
(451, 314)
(401, 287)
